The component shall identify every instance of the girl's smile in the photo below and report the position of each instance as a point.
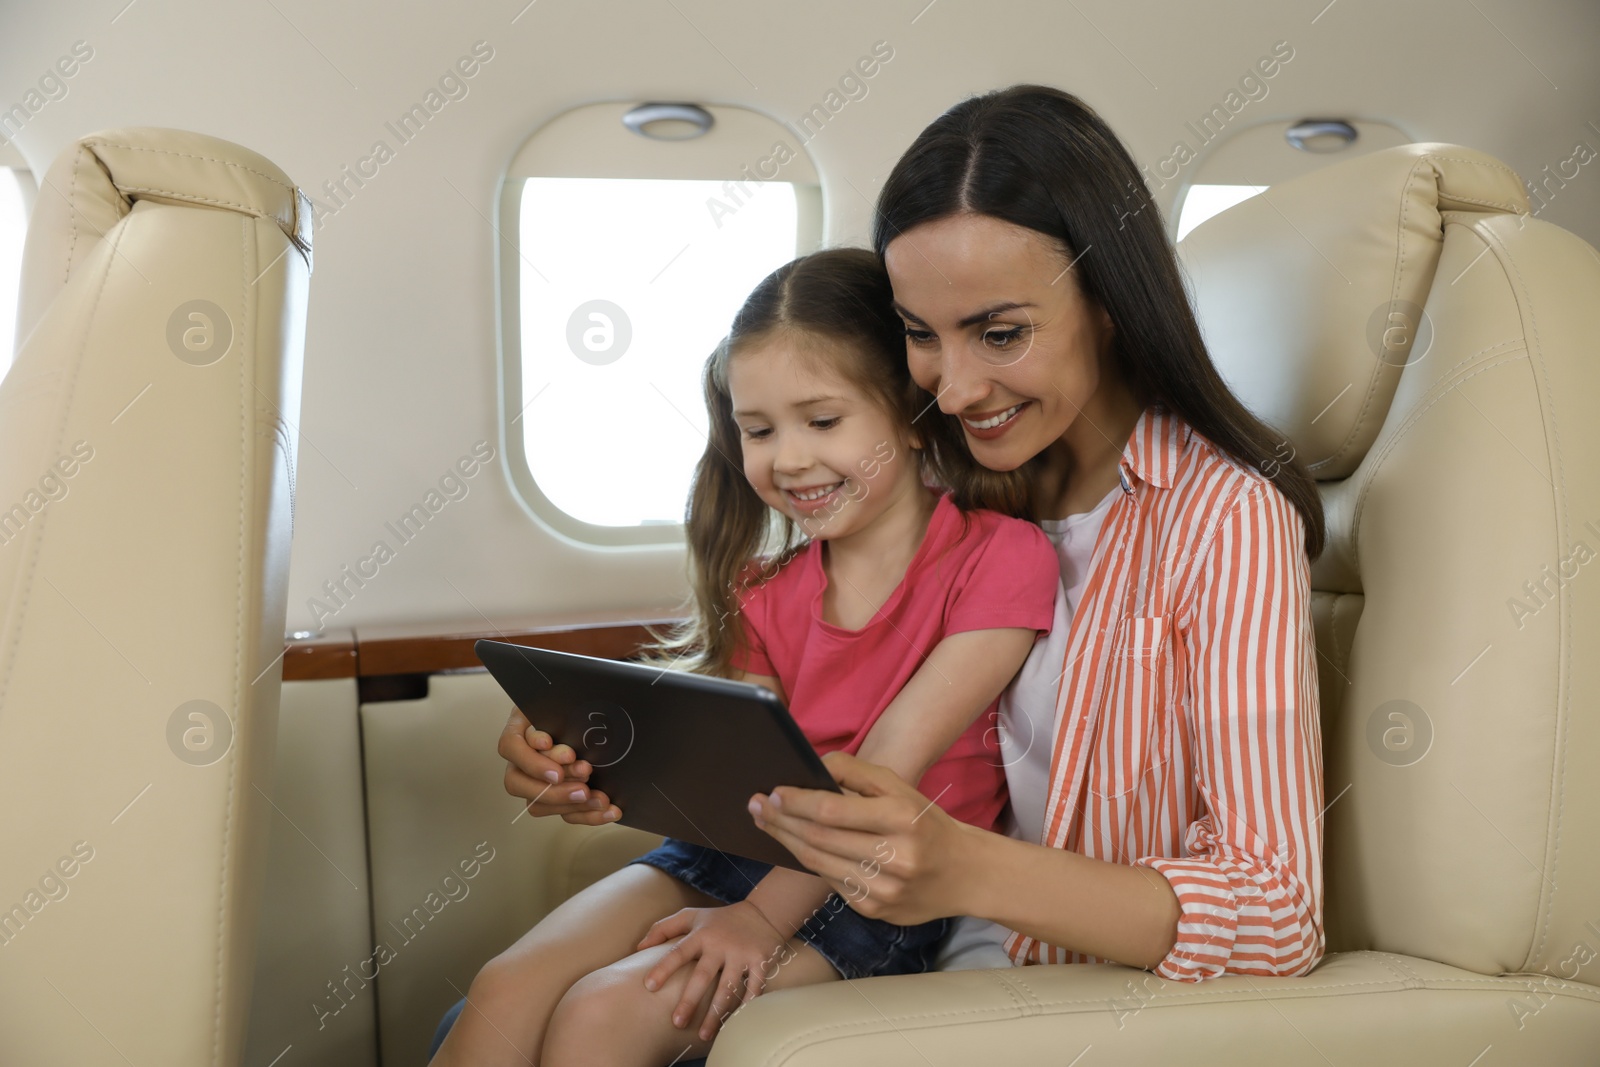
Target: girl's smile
(814, 498)
(814, 445)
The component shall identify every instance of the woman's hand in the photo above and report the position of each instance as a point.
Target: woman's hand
(735, 940)
(890, 852)
(550, 776)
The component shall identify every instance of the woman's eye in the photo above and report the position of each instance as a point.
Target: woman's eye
(1002, 338)
(918, 337)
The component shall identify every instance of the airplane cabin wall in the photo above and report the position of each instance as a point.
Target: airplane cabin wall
(400, 361)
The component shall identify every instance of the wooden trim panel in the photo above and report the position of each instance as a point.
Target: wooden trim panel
(330, 655)
(427, 648)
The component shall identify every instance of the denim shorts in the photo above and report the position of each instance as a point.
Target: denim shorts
(858, 947)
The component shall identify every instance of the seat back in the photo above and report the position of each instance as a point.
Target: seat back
(147, 456)
(1429, 350)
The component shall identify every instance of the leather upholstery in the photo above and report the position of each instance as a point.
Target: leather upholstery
(162, 326)
(316, 913)
(435, 798)
(1457, 453)
(1354, 1008)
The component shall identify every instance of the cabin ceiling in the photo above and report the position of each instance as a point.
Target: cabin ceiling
(400, 364)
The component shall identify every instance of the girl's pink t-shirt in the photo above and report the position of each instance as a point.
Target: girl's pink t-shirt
(1002, 573)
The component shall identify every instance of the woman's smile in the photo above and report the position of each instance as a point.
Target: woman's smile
(986, 426)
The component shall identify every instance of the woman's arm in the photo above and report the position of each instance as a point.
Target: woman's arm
(963, 674)
(919, 864)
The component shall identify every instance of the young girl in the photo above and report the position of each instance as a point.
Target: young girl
(889, 628)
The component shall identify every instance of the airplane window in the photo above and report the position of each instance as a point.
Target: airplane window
(13, 228)
(636, 282)
(1241, 163)
(1203, 201)
(632, 234)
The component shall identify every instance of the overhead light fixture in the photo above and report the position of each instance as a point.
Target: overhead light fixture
(669, 122)
(1321, 135)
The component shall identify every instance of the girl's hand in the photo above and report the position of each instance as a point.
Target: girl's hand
(734, 939)
(550, 776)
(890, 852)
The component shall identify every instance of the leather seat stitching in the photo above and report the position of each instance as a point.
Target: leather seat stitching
(190, 155)
(1009, 979)
(26, 587)
(1492, 165)
(1510, 209)
(250, 209)
(231, 805)
(1558, 772)
(1397, 964)
(66, 275)
(1333, 625)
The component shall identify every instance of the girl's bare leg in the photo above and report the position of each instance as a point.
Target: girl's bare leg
(510, 1001)
(609, 1017)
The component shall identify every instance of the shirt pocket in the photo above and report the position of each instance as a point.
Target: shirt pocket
(1133, 728)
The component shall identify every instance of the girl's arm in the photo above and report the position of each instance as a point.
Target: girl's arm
(961, 676)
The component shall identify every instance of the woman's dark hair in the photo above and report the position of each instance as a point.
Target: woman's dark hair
(1040, 158)
(842, 298)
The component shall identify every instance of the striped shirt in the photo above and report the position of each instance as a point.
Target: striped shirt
(1187, 731)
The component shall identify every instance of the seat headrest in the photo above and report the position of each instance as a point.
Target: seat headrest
(1310, 295)
(88, 191)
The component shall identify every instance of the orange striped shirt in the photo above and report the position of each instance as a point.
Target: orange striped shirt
(1187, 733)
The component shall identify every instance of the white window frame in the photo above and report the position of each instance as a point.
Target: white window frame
(1261, 155)
(592, 142)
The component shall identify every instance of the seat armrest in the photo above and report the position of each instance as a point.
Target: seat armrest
(1363, 1008)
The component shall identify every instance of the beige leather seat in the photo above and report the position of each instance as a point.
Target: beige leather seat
(147, 456)
(1434, 354)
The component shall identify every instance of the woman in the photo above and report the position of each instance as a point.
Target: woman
(1163, 750)
(1162, 745)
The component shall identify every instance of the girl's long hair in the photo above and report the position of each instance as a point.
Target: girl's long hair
(1040, 158)
(840, 296)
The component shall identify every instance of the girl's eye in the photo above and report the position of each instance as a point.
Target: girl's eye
(918, 337)
(826, 423)
(755, 433)
(1002, 338)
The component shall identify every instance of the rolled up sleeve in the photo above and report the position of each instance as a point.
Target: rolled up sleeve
(1249, 884)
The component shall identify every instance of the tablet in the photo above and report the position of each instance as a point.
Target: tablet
(679, 753)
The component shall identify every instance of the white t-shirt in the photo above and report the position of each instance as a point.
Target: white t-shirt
(1027, 730)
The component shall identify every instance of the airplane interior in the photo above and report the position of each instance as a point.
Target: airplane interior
(338, 338)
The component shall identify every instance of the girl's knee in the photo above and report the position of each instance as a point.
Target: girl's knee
(610, 1009)
(595, 1003)
(508, 982)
